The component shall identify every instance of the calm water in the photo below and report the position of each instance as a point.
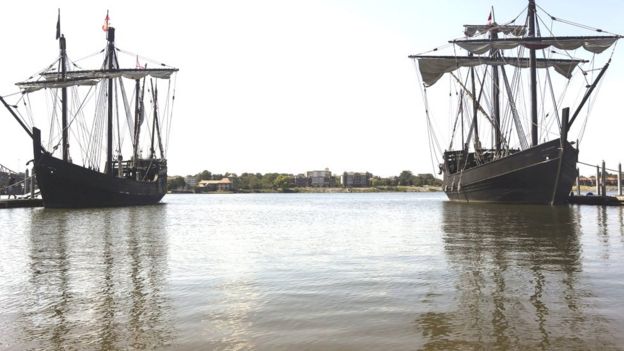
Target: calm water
(313, 272)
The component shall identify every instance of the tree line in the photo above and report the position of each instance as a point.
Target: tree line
(250, 182)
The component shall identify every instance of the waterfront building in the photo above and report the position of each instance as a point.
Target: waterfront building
(301, 180)
(586, 181)
(191, 181)
(224, 184)
(355, 179)
(320, 178)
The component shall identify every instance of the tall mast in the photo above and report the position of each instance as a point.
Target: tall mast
(137, 117)
(475, 108)
(64, 125)
(110, 57)
(533, 67)
(495, 92)
(155, 123)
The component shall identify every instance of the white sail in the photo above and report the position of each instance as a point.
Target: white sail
(595, 45)
(432, 68)
(470, 30)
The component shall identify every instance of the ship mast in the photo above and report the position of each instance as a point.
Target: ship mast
(533, 69)
(156, 125)
(110, 36)
(64, 125)
(139, 111)
(475, 109)
(495, 91)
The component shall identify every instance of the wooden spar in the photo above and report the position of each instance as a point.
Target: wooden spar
(152, 151)
(64, 125)
(588, 93)
(160, 145)
(495, 96)
(8, 107)
(475, 109)
(533, 68)
(109, 146)
(473, 98)
(137, 112)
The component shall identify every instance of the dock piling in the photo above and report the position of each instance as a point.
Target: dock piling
(578, 182)
(619, 179)
(597, 180)
(603, 180)
(32, 185)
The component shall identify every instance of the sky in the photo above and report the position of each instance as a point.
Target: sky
(288, 86)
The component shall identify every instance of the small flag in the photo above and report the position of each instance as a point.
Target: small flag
(490, 18)
(58, 25)
(105, 25)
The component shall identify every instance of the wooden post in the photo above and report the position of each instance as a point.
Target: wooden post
(597, 180)
(578, 182)
(604, 179)
(26, 184)
(619, 179)
(32, 185)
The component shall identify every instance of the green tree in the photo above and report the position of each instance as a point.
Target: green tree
(249, 181)
(204, 175)
(268, 180)
(283, 182)
(176, 183)
(378, 181)
(405, 178)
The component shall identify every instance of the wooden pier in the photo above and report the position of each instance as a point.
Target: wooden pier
(25, 192)
(600, 197)
(17, 203)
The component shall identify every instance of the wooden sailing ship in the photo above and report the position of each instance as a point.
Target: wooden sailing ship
(137, 180)
(513, 169)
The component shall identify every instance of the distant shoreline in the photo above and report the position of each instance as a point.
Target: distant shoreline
(381, 189)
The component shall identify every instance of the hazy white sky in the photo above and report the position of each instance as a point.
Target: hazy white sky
(288, 86)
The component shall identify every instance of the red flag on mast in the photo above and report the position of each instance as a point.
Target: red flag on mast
(105, 25)
(490, 18)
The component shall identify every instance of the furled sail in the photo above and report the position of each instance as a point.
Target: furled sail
(470, 30)
(130, 73)
(596, 44)
(91, 77)
(432, 68)
(31, 86)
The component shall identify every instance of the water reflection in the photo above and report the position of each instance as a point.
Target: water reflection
(97, 279)
(517, 280)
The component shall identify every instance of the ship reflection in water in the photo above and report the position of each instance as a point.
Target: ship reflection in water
(393, 271)
(520, 280)
(96, 279)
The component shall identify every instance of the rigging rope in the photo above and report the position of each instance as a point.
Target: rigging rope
(575, 24)
(434, 147)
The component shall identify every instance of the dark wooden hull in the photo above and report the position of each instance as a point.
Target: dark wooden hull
(529, 176)
(65, 185)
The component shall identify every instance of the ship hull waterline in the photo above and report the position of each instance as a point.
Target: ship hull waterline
(542, 174)
(65, 185)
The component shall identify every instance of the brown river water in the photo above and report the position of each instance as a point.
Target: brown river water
(396, 271)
